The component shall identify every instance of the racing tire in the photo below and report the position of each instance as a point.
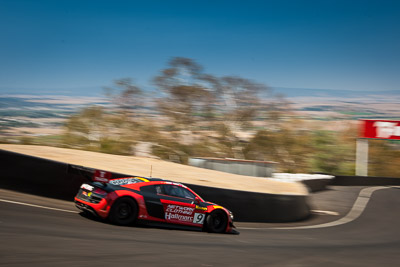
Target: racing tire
(216, 222)
(124, 211)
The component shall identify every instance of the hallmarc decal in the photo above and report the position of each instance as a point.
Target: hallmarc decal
(183, 214)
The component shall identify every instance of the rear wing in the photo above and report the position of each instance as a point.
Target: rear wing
(94, 175)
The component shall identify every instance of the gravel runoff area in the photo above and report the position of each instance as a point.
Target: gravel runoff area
(142, 166)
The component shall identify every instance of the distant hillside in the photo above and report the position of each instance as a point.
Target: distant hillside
(288, 92)
(78, 91)
(304, 92)
(85, 91)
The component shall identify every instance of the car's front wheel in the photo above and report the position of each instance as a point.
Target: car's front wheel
(217, 221)
(124, 211)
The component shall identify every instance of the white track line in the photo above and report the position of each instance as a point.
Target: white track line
(325, 212)
(36, 206)
(355, 212)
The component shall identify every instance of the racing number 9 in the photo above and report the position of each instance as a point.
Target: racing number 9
(198, 218)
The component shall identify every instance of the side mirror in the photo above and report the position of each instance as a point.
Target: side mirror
(197, 201)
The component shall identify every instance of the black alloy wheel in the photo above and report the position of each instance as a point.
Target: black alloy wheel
(217, 221)
(124, 211)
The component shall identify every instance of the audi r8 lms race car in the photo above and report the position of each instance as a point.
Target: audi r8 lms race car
(124, 201)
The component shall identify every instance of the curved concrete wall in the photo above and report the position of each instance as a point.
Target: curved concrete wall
(241, 167)
(37, 176)
(316, 185)
(364, 181)
(60, 180)
(257, 207)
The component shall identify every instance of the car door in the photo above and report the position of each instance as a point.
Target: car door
(179, 206)
(152, 200)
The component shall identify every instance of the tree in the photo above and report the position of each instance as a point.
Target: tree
(96, 130)
(384, 158)
(195, 100)
(126, 96)
(287, 146)
(327, 156)
(240, 100)
(238, 103)
(204, 115)
(185, 97)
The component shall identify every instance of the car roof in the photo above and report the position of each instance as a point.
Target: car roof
(140, 180)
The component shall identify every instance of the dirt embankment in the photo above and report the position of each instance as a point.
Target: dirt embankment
(142, 166)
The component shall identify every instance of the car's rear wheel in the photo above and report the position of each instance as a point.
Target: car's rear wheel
(217, 221)
(124, 211)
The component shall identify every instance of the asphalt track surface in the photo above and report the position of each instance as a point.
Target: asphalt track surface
(35, 236)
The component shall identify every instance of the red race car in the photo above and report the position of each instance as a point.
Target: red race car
(125, 201)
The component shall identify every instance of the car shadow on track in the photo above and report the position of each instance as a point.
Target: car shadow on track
(150, 225)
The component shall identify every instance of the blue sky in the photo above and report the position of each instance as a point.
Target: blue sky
(326, 44)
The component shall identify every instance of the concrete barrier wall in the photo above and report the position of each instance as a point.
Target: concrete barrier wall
(316, 185)
(241, 167)
(364, 181)
(257, 207)
(37, 176)
(59, 180)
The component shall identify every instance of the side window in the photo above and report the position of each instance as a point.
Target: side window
(149, 188)
(177, 191)
(188, 194)
(170, 190)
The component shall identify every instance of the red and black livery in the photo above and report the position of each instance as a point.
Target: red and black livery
(128, 200)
